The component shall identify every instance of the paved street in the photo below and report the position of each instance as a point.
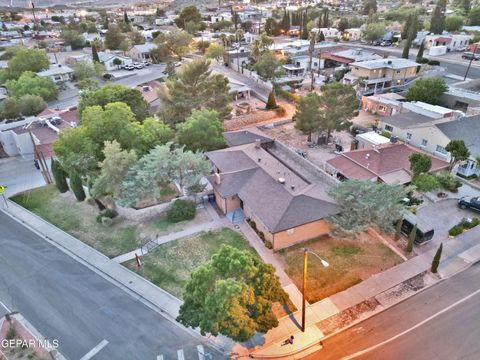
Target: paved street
(439, 323)
(67, 301)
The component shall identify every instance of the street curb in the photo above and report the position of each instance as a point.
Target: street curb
(112, 280)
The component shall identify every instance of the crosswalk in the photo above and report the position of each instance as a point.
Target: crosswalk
(183, 354)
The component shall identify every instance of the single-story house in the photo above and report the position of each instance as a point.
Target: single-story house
(108, 58)
(141, 52)
(268, 183)
(370, 139)
(387, 163)
(348, 56)
(383, 104)
(453, 42)
(58, 73)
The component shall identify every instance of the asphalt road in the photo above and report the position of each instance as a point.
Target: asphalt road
(438, 323)
(458, 69)
(67, 301)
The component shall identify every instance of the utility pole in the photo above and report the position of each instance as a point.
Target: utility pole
(470, 63)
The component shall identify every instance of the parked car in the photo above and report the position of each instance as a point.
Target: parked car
(138, 66)
(470, 56)
(145, 63)
(468, 202)
(424, 231)
(129, 67)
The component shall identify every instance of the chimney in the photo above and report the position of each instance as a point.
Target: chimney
(257, 143)
(218, 179)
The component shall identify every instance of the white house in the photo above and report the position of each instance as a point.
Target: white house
(453, 42)
(352, 34)
(108, 60)
(301, 64)
(329, 33)
(58, 73)
(224, 16)
(141, 52)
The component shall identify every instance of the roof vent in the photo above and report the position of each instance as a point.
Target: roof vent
(292, 187)
(259, 159)
(257, 143)
(281, 180)
(367, 156)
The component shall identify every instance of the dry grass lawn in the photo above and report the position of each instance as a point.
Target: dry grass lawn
(350, 263)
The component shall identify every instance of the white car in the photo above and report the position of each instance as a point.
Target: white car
(138, 66)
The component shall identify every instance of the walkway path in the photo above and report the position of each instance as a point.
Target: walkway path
(174, 236)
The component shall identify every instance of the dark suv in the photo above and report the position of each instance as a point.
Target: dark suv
(468, 202)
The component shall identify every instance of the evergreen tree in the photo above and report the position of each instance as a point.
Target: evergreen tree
(437, 22)
(304, 30)
(411, 238)
(436, 259)
(125, 17)
(411, 35)
(59, 176)
(285, 24)
(77, 186)
(95, 57)
(420, 51)
(321, 37)
(326, 20)
(306, 115)
(271, 102)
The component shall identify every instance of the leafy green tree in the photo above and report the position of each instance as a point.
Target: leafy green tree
(193, 88)
(10, 108)
(436, 259)
(31, 105)
(10, 52)
(201, 131)
(33, 60)
(271, 101)
(59, 176)
(214, 51)
(32, 84)
(419, 164)
(176, 42)
(88, 84)
(85, 69)
(232, 294)
(144, 136)
(427, 90)
(338, 104)
(420, 51)
(369, 6)
(113, 169)
(268, 66)
(114, 37)
(437, 21)
(115, 93)
(73, 38)
(454, 23)
(307, 116)
(474, 16)
(188, 16)
(160, 12)
(155, 171)
(271, 27)
(458, 152)
(342, 24)
(373, 31)
(411, 238)
(77, 186)
(426, 182)
(364, 203)
(136, 38)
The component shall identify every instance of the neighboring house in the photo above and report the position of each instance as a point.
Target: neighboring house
(108, 59)
(58, 73)
(237, 57)
(301, 65)
(150, 94)
(383, 164)
(379, 75)
(453, 42)
(383, 104)
(294, 30)
(345, 57)
(224, 16)
(141, 52)
(467, 129)
(370, 139)
(353, 34)
(329, 33)
(281, 192)
(460, 99)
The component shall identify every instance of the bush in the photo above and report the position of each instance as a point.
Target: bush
(386, 134)
(271, 102)
(107, 76)
(59, 176)
(181, 210)
(447, 180)
(423, 61)
(261, 235)
(434, 62)
(426, 182)
(280, 111)
(456, 230)
(252, 224)
(77, 186)
(268, 245)
(109, 213)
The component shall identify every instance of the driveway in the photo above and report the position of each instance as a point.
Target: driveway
(19, 175)
(441, 215)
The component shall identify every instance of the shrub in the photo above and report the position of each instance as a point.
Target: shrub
(447, 180)
(386, 134)
(181, 210)
(434, 62)
(271, 102)
(261, 235)
(107, 76)
(107, 221)
(423, 61)
(426, 182)
(268, 245)
(77, 186)
(280, 111)
(252, 224)
(59, 176)
(456, 230)
(109, 213)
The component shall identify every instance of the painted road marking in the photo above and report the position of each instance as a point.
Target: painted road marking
(180, 355)
(362, 352)
(95, 350)
(201, 352)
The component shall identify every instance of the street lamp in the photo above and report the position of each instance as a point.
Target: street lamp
(304, 289)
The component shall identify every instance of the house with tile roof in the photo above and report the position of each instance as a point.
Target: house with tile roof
(265, 181)
(387, 163)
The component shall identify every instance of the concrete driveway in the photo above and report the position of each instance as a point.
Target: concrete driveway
(441, 215)
(19, 175)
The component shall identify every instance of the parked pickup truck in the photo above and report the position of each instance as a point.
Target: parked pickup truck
(470, 55)
(468, 202)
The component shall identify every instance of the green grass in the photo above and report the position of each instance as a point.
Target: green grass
(79, 220)
(350, 263)
(169, 266)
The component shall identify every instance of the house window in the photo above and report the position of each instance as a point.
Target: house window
(441, 150)
(382, 108)
(424, 142)
(290, 231)
(389, 128)
(409, 136)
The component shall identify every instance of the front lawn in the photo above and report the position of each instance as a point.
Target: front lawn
(350, 263)
(79, 220)
(169, 265)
